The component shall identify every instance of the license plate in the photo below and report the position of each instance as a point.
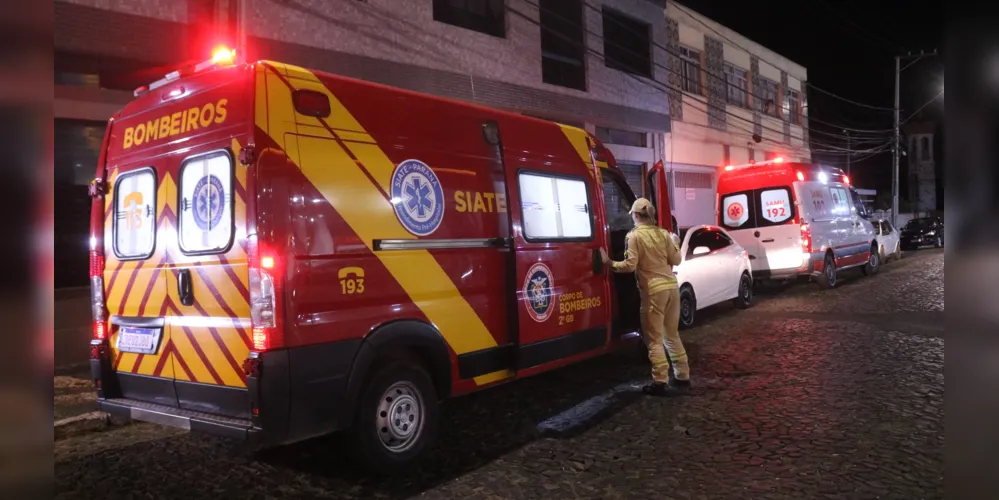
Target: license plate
(138, 340)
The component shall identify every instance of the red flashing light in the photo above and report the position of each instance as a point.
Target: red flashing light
(779, 159)
(729, 167)
(267, 262)
(846, 179)
(801, 176)
(223, 55)
(752, 162)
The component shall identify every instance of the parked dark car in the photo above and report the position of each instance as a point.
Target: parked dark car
(922, 232)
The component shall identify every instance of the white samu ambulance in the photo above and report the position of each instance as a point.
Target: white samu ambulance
(796, 219)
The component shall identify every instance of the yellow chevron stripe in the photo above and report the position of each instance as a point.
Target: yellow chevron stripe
(368, 213)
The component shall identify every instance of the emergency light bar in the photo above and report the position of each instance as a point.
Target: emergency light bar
(775, 161)
(222, 56)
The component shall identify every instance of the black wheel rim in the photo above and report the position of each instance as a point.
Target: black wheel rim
(686, 311)
(874, 259)
(746, 291)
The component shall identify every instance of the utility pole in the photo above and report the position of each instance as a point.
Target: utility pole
(896, 151)
(849, 153)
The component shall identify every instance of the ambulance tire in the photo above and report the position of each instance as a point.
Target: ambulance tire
(386, 446)
(873, 262)
(828, 277)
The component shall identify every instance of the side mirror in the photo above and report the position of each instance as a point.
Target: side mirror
(701, 251)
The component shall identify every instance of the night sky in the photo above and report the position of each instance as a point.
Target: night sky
(848, 48)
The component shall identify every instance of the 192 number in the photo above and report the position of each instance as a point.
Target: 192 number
(777, 212)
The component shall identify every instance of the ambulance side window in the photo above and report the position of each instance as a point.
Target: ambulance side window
(618, 206)
(555, 208)
(206, 214)
(135, 214)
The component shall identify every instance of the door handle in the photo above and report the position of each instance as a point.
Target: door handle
(598, 263)
(768, 240)
(184, 289)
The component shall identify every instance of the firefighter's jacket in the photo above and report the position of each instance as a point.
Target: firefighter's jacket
(650, 252)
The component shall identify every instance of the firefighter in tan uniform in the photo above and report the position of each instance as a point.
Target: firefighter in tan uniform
(651, 252)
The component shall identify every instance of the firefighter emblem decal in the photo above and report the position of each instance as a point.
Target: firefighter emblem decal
(208, 198)
(538, 291)
(417, 197)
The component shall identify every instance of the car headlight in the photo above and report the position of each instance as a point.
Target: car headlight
(931, 233)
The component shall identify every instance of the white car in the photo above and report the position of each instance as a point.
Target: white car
(714, 268)
(888, 240)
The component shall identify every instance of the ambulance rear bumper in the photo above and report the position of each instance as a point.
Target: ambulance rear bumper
(132, 410)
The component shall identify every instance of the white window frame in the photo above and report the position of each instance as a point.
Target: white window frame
(187, 204)
(734, 76)
(558, 210)
(154, 205)
(792, 105)
(690, 58)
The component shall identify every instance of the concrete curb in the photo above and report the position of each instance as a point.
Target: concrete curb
(81, 424)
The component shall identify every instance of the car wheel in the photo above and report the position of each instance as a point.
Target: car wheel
(688, 307)
(745, 298)
(898, 252)
(873, 262)
(397, 418)
(828, 277)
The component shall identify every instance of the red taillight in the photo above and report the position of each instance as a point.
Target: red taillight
(100, 330)
(806, 239)
(265, 298)
(846, 179)
(96, 263)
(801, 176)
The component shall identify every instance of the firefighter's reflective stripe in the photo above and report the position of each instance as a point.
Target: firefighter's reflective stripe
(363, 205)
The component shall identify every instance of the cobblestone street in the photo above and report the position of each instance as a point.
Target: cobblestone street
(808, 394)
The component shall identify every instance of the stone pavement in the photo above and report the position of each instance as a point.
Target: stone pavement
(809, 394)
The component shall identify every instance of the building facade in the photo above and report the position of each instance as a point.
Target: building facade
(591, 63)
(921, 173)
(732, 101)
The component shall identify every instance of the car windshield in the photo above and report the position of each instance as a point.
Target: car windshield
(919, 224)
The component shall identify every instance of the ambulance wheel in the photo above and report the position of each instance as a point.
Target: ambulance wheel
(873, 262)
(745, 298)
(828, 277)
(397, 417)
(688, 307)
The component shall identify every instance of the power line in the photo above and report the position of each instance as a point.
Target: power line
(694, 15)
(916, 112)
(893, 46)
(662, 87)
(657, 65)
(668, 51)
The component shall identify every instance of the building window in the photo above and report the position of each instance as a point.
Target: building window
(627, 45)
(555, 208)
(562, 43)
(690, 70)
(622, 137)
(735, 77)
(484, 16)
(792, 106)
(767, 98)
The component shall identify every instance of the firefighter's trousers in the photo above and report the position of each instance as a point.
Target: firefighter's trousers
(660, 322)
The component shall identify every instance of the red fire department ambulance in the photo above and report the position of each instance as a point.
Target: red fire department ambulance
(279, 253)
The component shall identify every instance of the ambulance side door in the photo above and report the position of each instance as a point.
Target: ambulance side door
(562, 293)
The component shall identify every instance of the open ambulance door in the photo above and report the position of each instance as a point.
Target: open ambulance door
(658, 189)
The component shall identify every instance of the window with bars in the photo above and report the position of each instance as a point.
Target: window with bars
(690, 70)
(623, 137)
(484, 16)
(562, 43)
(766, 98)
(627, 44)
(735, 78)
(792, 106)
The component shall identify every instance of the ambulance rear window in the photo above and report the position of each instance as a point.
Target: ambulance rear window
(776, 206)
(135, 214)
(206, 216)
(769, 206)
(738, 210)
